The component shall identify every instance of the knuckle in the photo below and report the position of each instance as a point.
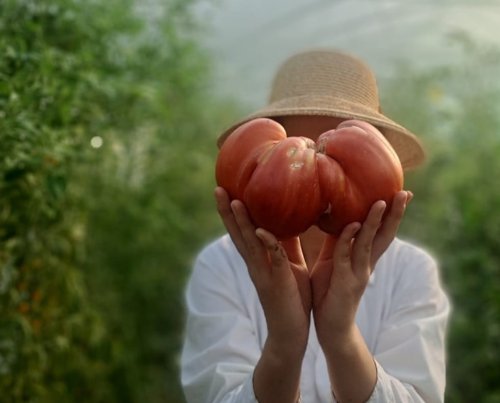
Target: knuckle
(252, 250)
(366, 248)
(344, 258)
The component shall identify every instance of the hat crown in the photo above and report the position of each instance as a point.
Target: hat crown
(326, 73)
(331, 83)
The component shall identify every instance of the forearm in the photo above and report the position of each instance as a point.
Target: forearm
(351, 368)
(277, 374)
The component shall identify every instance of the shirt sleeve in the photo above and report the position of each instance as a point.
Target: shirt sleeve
(410, 348)
(220, 346)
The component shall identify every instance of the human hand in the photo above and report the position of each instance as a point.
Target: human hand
(342, 271)
(278, 272)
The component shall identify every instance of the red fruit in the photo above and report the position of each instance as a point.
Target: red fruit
(291, 183)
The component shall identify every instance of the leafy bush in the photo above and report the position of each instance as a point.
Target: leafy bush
(455, 210)
(107, 132)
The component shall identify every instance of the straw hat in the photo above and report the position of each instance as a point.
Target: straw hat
(330, 83)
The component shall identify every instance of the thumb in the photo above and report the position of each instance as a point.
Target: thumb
(277, 254)
(293, 250)
(327, 248)
(322, 269)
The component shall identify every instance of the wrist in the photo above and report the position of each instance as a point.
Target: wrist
(339, 324)
(351, 367)
(286, 349)
(289, 339)
(340, 340)
(277, 374)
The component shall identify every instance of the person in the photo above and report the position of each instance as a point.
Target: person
(316, 319)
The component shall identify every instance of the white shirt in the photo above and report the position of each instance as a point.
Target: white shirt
(402, 317)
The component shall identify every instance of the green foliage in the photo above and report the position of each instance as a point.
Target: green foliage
(455, 210)
(49, 332)
(107, 131)
(107, 143)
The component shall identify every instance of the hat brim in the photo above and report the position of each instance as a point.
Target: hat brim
(405, 143)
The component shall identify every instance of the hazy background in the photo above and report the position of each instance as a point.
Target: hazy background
(249, 39)
(109, 113)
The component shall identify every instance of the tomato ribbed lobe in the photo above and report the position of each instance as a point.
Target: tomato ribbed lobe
(291, 183)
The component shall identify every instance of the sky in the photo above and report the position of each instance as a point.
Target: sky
(249, 39)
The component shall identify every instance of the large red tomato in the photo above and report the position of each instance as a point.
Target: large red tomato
(291, 183)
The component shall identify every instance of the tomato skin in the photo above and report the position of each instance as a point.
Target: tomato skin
(238, 155)
(283, 194)
(291, 183)
(370, 168)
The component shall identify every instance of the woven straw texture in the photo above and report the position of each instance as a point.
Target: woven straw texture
(330, 83)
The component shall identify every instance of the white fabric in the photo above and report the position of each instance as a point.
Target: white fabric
(402, 317)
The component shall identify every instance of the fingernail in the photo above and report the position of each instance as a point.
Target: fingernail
(383, 205)
(234, 205)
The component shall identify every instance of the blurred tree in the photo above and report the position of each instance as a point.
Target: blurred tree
(107, 128)
(50, 335)
(456, 109)
(151, 206)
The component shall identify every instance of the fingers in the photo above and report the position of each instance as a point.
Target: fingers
(390, 224)
(374, 236)
(409, 197)
(242, 219)
(294, 251)
(259, 248)
(327, 248)
(395, 215)
(223, 204)
(277, 254)
(363, 246)
(342, 251)
(342, 254)
(239, 226)
(229, 220)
